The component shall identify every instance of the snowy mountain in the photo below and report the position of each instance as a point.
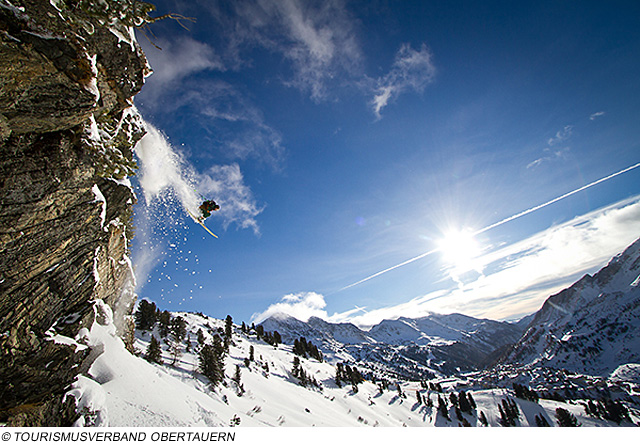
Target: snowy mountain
(435, 344)
(591, 327)
(262, 388)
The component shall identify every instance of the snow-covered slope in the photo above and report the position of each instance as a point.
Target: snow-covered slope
(593, 326)
(122, 389)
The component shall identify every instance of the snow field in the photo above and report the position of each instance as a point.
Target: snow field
(124, 390)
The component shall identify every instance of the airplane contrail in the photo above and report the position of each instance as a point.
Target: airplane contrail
(499, 223)
(554, 200)
(390, 269)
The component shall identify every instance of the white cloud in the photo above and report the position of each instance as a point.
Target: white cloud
(411, 70)
(237, 205)
(302, 306)
(322, 43)
(595, 116)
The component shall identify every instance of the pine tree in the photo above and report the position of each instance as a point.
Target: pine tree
(154, 351)
(178, 328)
(277, 339)
(472, 402)
(237, 375)
(442, 408)
(565, 418)
(251, 353)
(228, 327)
(145, 315)
(164, 321)
(200, 336)
(463, 402)
(483, 419)
(418, 397)
(302, 376)
(525, 393)
(339, 376)
(509, 412)
(297, 348)
(295, 371)
(211, 363)
(175, 351)
(259, 331)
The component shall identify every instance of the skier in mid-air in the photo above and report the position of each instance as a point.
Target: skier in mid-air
(206, 208)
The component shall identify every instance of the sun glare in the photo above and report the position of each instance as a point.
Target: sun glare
(459, 248)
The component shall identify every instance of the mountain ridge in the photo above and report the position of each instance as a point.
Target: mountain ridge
(592, 326)
(436, 343)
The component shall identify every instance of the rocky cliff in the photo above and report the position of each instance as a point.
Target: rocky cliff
(68, 72)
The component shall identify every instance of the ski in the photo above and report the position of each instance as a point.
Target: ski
(201, 223)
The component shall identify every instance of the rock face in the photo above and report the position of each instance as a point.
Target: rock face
(67, 129)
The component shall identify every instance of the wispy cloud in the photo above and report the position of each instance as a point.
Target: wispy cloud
(556, 148)
(411, 70)
(239, 129)
(322, 43)
(175, 60)
(317, 38)
(561, 136)
(595, 116)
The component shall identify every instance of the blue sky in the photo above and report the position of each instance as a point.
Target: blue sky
(345, 138)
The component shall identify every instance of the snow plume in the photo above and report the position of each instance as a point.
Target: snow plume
(302, 305)
(165, 174)
(163, 170)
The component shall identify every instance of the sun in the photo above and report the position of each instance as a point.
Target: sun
(459, 248)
